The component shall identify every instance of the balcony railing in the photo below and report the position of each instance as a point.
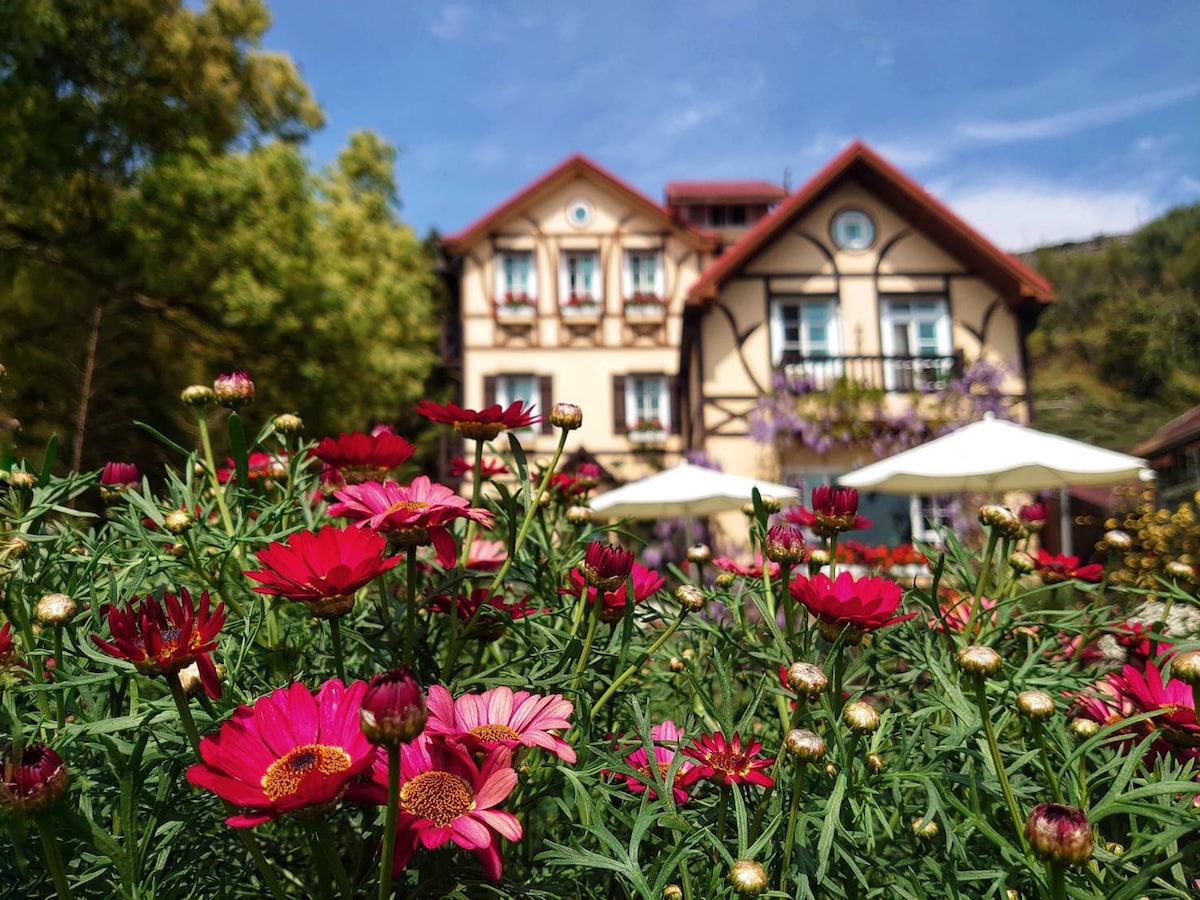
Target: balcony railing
(894, 374)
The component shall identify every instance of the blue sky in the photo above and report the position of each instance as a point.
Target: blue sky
(1036, 121)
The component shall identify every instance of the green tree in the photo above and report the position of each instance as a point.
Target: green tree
(160, 223)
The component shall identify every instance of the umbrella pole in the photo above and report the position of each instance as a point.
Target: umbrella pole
(1065, 537)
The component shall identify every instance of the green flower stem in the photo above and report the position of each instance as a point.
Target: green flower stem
(789, 604)
(1044, 752)
(778, 765)
(789, 840)
(768, 592)
(580, 608)
(335, 633)
(391, 817)
(833, 542)
(327, 859)
(632, 670)
(60, 700)
(210, 463)
(722, 811)
(410, 631)
(989, 733)
(985, 571)
(593, 617)
(530, 511)
(185, 712)
(54, 860)
(1058, 880)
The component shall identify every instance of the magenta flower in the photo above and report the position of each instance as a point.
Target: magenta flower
(666, 737)
(863, 604)
(727, 762)
(502, 718)
(613, 603)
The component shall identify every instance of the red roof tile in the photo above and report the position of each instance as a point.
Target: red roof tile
(696, 191)
(909, 199)
(572, 167)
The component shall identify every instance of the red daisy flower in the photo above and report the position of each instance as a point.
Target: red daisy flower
(613, 603)
(364, 457)
(956, 615)
(8, 653)
(605, 565)
(479, 425)
(162, 637)
(1146, 691)
(1034, 515)
(482, 556)
(502, 717)
(726, 761)
(1058, 568)
(289, 751)
(589, 474)
(751, 570)
(666, 737)
(446, 797)
(260, 465)
(489, 613)
(834, 510)
(489, 468)
(32, 780)
(863, 604)
(411, 514)
(323, 570)
(117, 478)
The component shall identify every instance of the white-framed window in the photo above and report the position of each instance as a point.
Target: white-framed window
(805, 337)
(516, 276)
(579, 280)
(643, 274)
(929, 513)
(917, 336)
(523, 387)
(647, 406)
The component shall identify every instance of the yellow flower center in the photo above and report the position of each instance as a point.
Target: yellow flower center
(662, 771)
(406, 506)
(437, 796)
(495, 733)
(286, 774)
(728, 762)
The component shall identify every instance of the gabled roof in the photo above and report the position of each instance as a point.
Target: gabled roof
(728, 191)
(862, 164)
(1179, 430)
(577, 166)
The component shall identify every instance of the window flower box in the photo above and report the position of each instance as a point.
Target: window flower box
(581, 307)
(516, 306)
(647, 431)
(645, 307)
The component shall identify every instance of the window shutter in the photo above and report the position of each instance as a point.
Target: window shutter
(674, 405)
(546, 396)
(627, 275)
(564, 282)
(533, 279)
(498, 264)
(620, 426)
(660, 274)
(489, 390)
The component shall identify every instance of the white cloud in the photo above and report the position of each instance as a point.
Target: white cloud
(451, 22)
(999, 131)
(1022, 214)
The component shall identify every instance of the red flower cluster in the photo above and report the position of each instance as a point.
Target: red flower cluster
(880, 556)
(860, 604)
(747, 570)
(834, 510)
(161, 637)
(490, 468)
(260, 466)
(488, 613)
(359, 457)
(614, 602)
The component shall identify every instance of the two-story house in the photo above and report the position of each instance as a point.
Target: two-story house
(671, 326)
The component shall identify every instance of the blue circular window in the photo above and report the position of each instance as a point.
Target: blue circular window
(579, 213)
(852, 229)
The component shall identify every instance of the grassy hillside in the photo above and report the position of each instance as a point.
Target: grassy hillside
(1119, 353)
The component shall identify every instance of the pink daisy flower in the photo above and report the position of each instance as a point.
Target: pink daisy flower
(666, 737)
(726, 761)
(502, 717)
(646, 583)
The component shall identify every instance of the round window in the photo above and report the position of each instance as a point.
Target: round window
(579, 213)
(853, 230)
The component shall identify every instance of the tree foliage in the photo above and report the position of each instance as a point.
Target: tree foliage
(160, 222)
(1115, 357)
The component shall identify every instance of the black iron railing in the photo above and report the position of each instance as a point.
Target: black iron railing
(894, 374)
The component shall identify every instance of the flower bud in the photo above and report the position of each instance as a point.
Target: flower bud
(1060, 834)
(579, 515)
(16, 547)
(806, 679)
(198, 395)
(288, 424)
(676, 665)
(1186, 667)
(817, 560)
(24, 480)
(699, 554)
(393, 708)
(1003, 520)
(605, 566)
(588, 475)
(860, 716)
(874, 762)
(784, 544)
(690, 597)
(566, 416)
(749, 878)
(672, 892)
(1021, 562)
(177, 521)
(771, 504)
(805, 745)
(925, 829)
(1083, 728)
(1035, 705)
(977, 659)
(1180, 571)
(748, 510)
(1116, 539)
(190, 680)
(55, 609)
(33, 780)
(723, 580)
(235, 389)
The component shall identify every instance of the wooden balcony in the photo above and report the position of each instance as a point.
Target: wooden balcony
(891, 374)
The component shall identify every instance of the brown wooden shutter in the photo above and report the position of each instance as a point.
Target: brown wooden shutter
(546, 394)
(489, 390)
(675, 410)
(620, 426)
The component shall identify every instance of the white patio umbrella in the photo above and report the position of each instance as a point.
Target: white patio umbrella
(685, 490)
(994, 456)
